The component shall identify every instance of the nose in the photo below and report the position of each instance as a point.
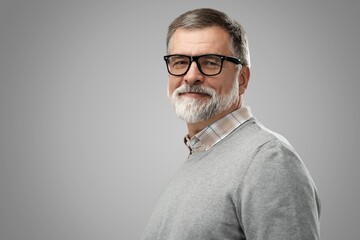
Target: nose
(193, 76)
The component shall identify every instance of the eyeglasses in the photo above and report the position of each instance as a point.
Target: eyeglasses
(208, 64)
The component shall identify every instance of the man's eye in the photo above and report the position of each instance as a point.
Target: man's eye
(211, 63)
(180, 62)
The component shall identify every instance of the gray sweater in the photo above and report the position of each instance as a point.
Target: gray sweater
(252, 185)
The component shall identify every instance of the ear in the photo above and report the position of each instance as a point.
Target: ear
(244, 78)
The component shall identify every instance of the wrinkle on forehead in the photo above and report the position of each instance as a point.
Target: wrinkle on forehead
(200, 41)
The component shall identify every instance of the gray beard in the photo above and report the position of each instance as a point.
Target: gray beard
(193, 110)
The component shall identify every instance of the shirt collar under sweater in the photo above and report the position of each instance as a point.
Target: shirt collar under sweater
(218, 130)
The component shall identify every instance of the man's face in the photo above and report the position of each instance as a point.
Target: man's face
(195, 96)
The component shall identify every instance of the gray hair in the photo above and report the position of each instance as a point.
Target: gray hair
(206, 17)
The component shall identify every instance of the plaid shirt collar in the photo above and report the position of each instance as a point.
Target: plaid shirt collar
(214, 133)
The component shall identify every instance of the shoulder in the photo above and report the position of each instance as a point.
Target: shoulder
(275, 171)
(272, 156)
(252, 137)
(268, 159)
(254, 150)
(277, 185)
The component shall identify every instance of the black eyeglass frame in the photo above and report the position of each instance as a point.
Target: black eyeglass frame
(234, 60)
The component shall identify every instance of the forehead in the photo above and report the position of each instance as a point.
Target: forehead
(200, 41)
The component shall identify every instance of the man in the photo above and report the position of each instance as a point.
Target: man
(240, 181)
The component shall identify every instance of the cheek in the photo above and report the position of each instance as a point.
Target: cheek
(228, 84)
(226, 88)
(221, 85)
(173, 84)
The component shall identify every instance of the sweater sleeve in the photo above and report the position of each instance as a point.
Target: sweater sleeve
(277, 197)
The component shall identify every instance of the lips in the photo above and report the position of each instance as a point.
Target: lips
(195, 93)
(195, 90)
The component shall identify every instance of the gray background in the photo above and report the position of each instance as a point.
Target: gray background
(88, 139)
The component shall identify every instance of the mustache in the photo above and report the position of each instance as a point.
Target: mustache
(195, 89)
